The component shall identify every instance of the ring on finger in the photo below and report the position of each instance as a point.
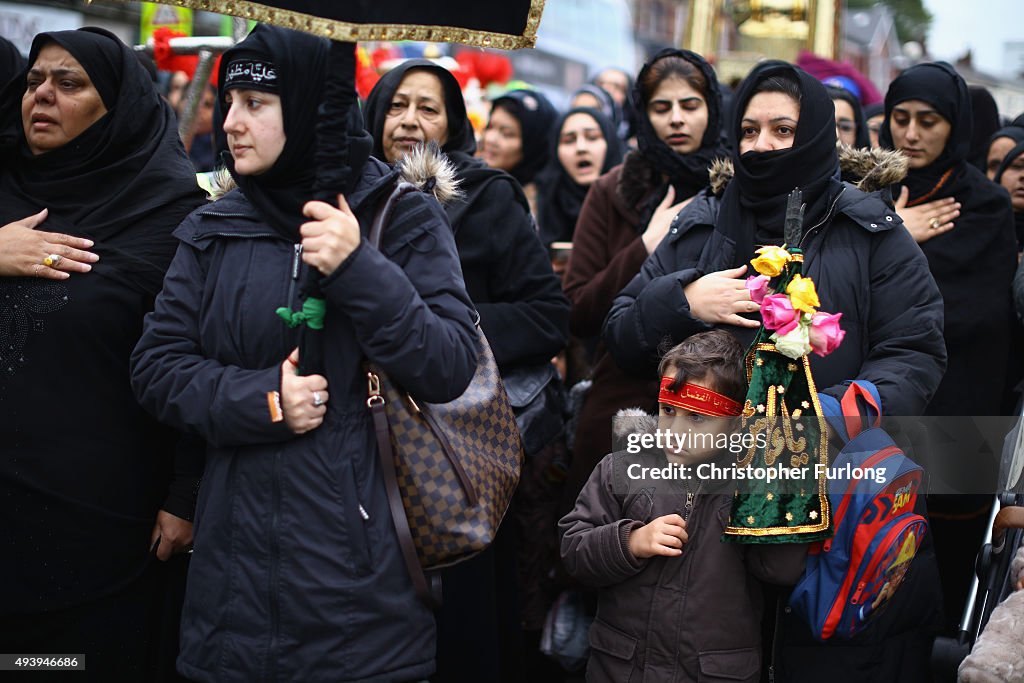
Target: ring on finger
(318, 400)
(52, 260)
(935, 223)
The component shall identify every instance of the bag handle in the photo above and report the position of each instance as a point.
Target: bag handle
(428, 592)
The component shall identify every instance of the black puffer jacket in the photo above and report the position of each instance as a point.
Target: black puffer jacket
(863, 263)
(297, 574)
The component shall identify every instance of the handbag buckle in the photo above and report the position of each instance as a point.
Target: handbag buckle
(373, 388)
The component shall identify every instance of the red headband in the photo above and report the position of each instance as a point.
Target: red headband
(698, 399)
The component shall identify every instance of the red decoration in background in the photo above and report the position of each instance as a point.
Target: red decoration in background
(487, 67)
(166, 60)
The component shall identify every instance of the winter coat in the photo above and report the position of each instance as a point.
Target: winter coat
(863, 262)
(696, 617)
(296, 573)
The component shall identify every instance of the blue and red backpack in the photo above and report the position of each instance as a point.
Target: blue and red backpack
(850, 577)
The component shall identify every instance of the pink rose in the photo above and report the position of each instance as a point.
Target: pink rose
(825, 333)
(778, 314)
(757, 285)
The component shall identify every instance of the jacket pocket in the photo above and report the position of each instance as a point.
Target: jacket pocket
(730, 665)
(356, 520)
(612, 654)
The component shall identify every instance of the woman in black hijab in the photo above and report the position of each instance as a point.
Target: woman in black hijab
(524, 315)
(1010, 174)
(297, 573)
(596, 97)
(585, 146)
(626, 214)
(928, 118)
(851, 128)
(999, 145)
(518, 137)
(985, 114)
(863, 265)
(93, 180)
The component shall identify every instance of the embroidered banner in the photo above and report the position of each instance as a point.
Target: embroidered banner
(506, 25)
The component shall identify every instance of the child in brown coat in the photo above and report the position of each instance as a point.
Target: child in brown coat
(675, 602)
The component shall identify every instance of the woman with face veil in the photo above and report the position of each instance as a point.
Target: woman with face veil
(864, 265)
(524, 315)
(297, 573)
(93, 180)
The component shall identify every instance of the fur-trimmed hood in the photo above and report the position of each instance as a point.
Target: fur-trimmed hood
(425, 166)
(633, 421)
(873, 169)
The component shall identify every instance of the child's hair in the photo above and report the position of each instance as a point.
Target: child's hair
(715, 355)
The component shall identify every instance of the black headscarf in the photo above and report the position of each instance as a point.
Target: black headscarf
(627, 126)
(973, 263)
(861, 136)
(938, 84)
(300, 61)
(986, 122)
(1014, 133)
(11, 61)
(754, 203)
(460, 147)
(873, 110)
(560, 197)
(1018, 216)
(125, 182)
(536, 116)
(688, 173)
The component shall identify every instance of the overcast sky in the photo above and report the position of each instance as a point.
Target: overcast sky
(984, 25)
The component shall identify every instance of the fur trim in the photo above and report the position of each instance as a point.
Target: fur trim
(221, 183)
(431, 171)
(637, 179)
(633, 421)
(998, 654)
(874, 168)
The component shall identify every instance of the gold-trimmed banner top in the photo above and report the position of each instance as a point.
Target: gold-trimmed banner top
(285, 14)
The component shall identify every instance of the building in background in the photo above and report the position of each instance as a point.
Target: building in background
(870, 44)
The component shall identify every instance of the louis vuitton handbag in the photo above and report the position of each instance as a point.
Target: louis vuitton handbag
(449, 469)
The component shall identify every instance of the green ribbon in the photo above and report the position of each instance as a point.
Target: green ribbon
(311, 315)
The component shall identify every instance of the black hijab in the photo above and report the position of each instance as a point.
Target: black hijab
(560, 197)
(754, 203)
(536, 116)
(460, 147)
(688, 173)
(1014, 133)
(861, 138)
(938, 84)
(1018, 216)
(300, 62)
(125, 182)
(11, 61)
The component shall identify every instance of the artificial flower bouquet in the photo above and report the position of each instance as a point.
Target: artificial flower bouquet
(790, 309)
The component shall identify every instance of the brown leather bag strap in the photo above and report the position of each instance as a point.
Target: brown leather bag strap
(401, 522)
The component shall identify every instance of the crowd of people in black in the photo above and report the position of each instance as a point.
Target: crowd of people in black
(180, 503)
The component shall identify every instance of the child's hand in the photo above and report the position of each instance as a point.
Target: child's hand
(664, 536)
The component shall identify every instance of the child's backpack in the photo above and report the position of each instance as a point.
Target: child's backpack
(850, 577)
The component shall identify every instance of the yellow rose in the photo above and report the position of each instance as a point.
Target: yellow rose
(802, 294)
(771, 260)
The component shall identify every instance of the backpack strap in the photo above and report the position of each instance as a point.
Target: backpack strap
(860, 408)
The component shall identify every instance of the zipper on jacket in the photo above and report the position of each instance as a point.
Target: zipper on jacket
(828, 215)
(198, 236)
(296, 269)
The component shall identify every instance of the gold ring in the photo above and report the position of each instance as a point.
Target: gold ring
(52, 260)
(935, 223)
